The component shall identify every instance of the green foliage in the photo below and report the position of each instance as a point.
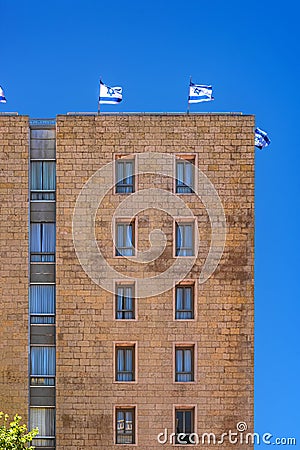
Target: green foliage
(14, 436)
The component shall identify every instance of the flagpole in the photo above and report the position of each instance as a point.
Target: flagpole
(188, 106)
(99, 97)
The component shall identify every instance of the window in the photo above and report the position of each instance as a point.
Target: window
(42, 180)
(42, 304)
(125, 426)
(124, 176)
(184, 239)
(44, 419)
(125, 307)
(125, 363)
(185, 176)
(125, 239)
(184, 364)
(42, 366)
(184, 302)
(185, 425)
(42, 242)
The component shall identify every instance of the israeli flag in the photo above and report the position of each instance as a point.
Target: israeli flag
(261, 139)
(200, 93)
(110, 95)
(2, 96)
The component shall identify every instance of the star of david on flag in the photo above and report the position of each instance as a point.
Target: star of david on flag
(262, 140)
(200, 93)
(2, 96)
(109, 95)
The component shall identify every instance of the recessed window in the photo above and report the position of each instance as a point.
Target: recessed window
(125, 302)
(184, 425)
(185, 174)
(125, 239)
(44, 419)
(124, 176)
(125, 425)
(42, 304)
(42, 180)
(42, 366)
(184, 302)
(185, 239)
(184, 364)
(42, 242)
(125, 363)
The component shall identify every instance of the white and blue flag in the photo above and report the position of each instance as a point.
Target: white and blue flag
(110, 95)
(2, 96)
(200, 93)
(261, 139)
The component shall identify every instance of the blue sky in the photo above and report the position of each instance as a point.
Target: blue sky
(52, 54)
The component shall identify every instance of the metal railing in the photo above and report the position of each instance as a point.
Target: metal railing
(2, 113)
(42, 122)
(155, 114)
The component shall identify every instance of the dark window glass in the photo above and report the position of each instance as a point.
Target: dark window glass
(184, 424)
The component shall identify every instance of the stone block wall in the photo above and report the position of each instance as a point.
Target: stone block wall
(222, 333)
(14, 135)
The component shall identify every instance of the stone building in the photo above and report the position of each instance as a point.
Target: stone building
(120, 350)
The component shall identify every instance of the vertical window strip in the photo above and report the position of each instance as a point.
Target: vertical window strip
(42, 297)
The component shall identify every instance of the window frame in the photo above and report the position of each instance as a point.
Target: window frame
(46, 255)
(124, 221)
(191, 158)
(42, 191)
(185, 221)
(129, 158)
(47, 438)
(40, 377)
(182, 285)
(185, 346)
(124, 409)
(123, 311)
(42, 315)
(184, 408)
(125, 346)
